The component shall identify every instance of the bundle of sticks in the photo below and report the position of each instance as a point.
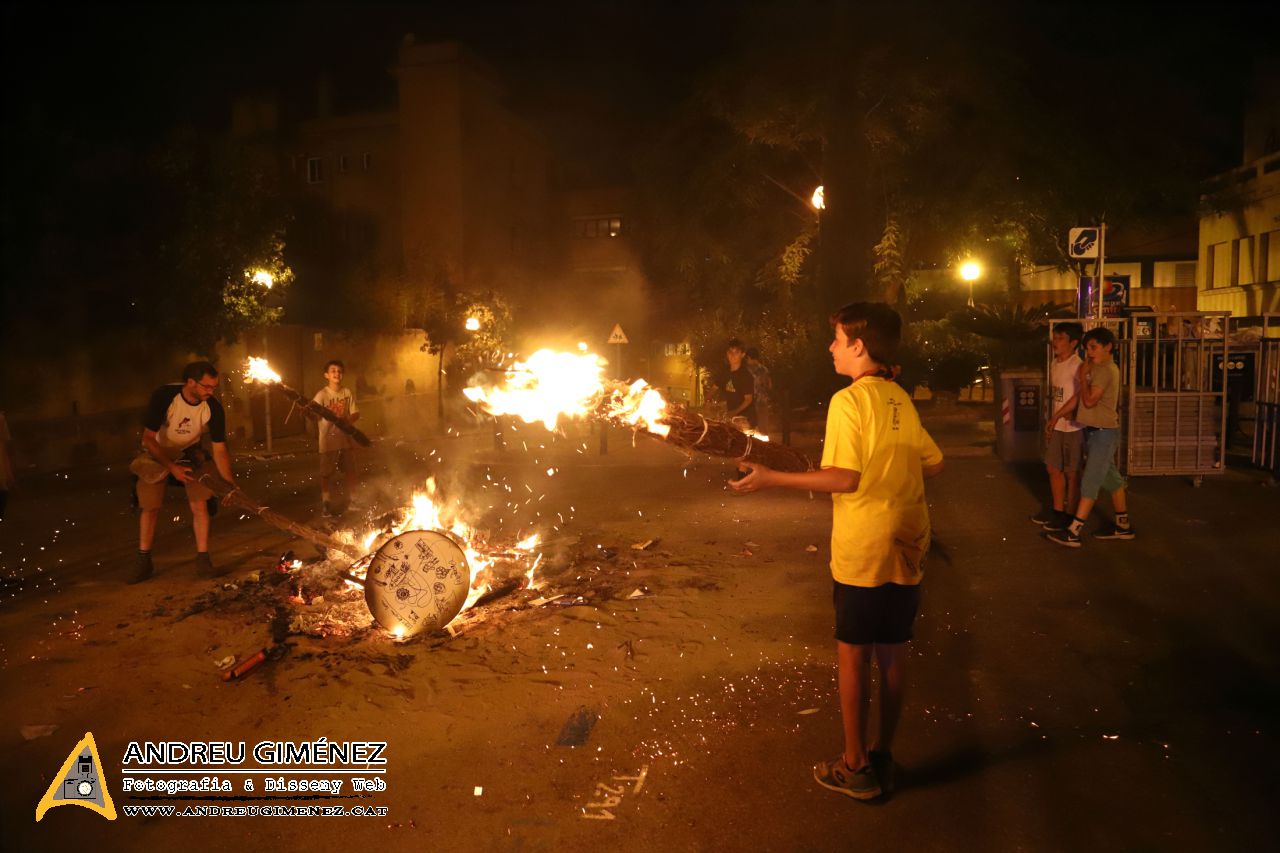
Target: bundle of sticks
(614, 403)
(692, 431)
(315, 411)
(718, 438)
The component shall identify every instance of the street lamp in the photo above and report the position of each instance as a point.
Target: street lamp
(473, 324)
(268, 281)
(970, 271)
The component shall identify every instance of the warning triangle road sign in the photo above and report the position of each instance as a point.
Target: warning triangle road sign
(618, 336)
(79, 783)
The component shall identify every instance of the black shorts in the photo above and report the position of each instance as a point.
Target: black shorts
(875, 614)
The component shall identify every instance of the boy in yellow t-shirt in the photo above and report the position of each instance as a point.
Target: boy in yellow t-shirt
(874, 462)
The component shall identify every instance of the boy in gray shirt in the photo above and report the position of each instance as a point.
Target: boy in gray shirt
(1098, 414)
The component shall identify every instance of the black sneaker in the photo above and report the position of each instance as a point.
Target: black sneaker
(1065, 537)
(144, 568)
(1059, 524)
(886, 770)
(205, 567)
(1045, 517)
(1125, 532)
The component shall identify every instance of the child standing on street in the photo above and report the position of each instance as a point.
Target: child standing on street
(874, 461)
(337, 449)
(1064, 437)
(1098, 413)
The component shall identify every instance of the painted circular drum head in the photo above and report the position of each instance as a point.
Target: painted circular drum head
(417, 582)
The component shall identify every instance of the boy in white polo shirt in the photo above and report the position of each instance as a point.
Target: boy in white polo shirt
(1064, 436)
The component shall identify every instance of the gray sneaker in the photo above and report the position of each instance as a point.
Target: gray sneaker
(143, 569)
(835, 775)
(205, 567)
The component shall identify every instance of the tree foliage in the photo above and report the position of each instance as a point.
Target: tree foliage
(227, 221)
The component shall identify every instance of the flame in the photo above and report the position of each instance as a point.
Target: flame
(551, 384)
(257, 370)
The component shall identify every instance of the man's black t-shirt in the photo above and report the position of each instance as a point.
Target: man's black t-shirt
(738, 385)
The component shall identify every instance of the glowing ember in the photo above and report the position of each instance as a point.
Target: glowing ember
(554, 384)
(258, 370)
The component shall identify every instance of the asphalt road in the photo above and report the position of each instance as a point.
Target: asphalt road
(1118, 697)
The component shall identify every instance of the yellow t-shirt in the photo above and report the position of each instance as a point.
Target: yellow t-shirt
(879, 533)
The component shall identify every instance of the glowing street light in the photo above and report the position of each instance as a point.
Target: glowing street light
(970, 271)
(263, 278)
(473, 324)
(818, 201)
(582, 346)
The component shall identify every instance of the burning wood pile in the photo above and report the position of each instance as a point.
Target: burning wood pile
(554, 384)
(417, 569)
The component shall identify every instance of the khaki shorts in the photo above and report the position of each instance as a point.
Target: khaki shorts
(153, 477)
(333, 461)
(1065, 450)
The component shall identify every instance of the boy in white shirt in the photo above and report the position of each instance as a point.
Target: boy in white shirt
(1064, 436)
(337, 449)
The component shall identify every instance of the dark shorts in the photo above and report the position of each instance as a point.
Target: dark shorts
(875, 614)
(333, 461)
(1065, 450)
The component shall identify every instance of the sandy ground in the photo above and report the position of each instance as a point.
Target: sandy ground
(1118, 697)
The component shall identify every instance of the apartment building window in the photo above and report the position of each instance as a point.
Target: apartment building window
(1174, 274)
(1269, 256)
(597, 226)
(315, 170)
(342, 162)
(366, 161)
(1244, 261)
(1219, 272)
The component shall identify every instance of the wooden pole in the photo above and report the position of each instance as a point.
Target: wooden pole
(234, 496)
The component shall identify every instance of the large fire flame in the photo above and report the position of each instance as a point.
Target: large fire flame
(257, 370)
(553, 384)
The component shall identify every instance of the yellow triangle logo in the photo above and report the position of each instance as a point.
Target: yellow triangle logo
(79, 783)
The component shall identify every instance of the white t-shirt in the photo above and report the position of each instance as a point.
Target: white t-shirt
(343, 404)
(179, 424)
(1062, 387)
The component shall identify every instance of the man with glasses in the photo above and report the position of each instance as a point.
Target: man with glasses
(177, 417)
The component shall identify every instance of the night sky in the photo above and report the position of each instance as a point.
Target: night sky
(127, 71)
